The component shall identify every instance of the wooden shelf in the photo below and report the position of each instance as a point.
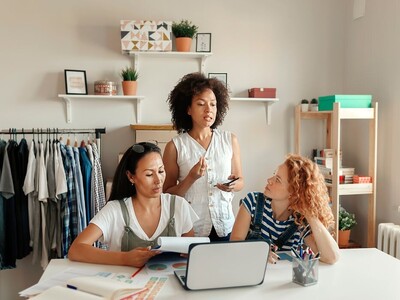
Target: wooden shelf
(268, 102)
(152, 127)
(333, 140)
(351, 245)
(68, 102)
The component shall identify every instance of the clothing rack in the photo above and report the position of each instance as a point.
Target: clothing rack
(40, 131)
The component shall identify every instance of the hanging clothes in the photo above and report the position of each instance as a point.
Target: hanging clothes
(86, 169)
(2, 216)
(98, 194)
(10, 224)
(47, 191)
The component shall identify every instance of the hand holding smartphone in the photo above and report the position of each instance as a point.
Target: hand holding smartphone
(230, 181)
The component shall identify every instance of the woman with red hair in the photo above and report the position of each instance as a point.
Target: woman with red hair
(294, 205)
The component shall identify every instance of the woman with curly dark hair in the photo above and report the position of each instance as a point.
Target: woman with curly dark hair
(294, 197)
(201, 159)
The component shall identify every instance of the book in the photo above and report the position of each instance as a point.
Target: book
(91, 288)
(324, 161)
(178, 244)
(329, 153)
(346, 171)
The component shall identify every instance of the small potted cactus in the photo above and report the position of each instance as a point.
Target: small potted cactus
(314, 104)
(304, 105)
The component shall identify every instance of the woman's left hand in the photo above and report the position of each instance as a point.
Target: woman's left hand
(227, 188)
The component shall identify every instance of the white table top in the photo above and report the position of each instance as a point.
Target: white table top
(365, 273)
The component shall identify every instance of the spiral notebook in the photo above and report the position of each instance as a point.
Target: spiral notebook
(224, 264)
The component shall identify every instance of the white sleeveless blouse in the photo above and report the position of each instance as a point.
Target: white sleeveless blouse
(213, 206)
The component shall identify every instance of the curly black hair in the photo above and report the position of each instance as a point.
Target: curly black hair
(190, 85)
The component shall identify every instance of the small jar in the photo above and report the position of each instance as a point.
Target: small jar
(105, 88)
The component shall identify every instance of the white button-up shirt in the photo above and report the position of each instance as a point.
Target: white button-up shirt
(213, 206)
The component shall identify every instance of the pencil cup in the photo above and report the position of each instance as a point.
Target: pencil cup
(305, 272)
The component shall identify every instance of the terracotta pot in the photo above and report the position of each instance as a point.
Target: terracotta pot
(344, 237)
(129, 88)
(183, 44)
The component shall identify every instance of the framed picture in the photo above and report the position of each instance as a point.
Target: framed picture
(203, 42)
(75, 82)
(220, 76)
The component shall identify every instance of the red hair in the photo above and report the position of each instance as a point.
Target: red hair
(308, 191)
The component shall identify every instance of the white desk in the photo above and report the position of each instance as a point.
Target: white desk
(359, 274)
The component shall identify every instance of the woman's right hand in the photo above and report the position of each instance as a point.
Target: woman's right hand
(273, 257)
(199, 169)
(140, 256)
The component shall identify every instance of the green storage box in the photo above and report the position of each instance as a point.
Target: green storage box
(346, 101)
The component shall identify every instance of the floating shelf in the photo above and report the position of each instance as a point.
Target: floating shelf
(268, 102)
(170, 54)
(68, 102)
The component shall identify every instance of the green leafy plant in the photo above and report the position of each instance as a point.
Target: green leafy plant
(346, 220)
(129, 74)
(304, 101)
(184, 28)
(314, 101)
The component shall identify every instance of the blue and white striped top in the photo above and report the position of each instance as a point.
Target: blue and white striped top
(271, 229)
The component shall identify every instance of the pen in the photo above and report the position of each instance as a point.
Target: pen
(137, 271)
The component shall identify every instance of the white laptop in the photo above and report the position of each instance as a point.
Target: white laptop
(225, 264)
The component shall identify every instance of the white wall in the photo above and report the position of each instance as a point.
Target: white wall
(303, 48)
(372, 67)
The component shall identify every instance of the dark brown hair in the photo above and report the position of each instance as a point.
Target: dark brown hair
(122, 187)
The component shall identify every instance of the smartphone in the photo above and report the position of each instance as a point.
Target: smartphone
(230, 181)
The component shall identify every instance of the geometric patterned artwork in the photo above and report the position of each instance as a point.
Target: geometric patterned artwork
(146, 35)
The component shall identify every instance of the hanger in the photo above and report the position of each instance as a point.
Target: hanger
(76, 141)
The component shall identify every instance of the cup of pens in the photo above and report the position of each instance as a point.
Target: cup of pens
(305, 271)
(304, 266)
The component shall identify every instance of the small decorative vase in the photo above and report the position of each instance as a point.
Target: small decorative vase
(304, 107)
(344, 237)
(183, 44)
(129, 88)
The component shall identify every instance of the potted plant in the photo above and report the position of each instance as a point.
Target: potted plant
(346, 222)
(304, 105)
(184, 31)
(129, 80)
(314, 104)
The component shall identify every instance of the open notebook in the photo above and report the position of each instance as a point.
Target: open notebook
(225, 264)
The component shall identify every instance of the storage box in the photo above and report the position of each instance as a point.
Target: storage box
(262, 93)
(362, 179)
(346, 101)
(146, 35)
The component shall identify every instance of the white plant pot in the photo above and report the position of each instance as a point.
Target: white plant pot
(304, 107)
(314, 107)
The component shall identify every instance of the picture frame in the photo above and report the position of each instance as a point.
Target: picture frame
(223, 77)
(203, 42)
(75, 82)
